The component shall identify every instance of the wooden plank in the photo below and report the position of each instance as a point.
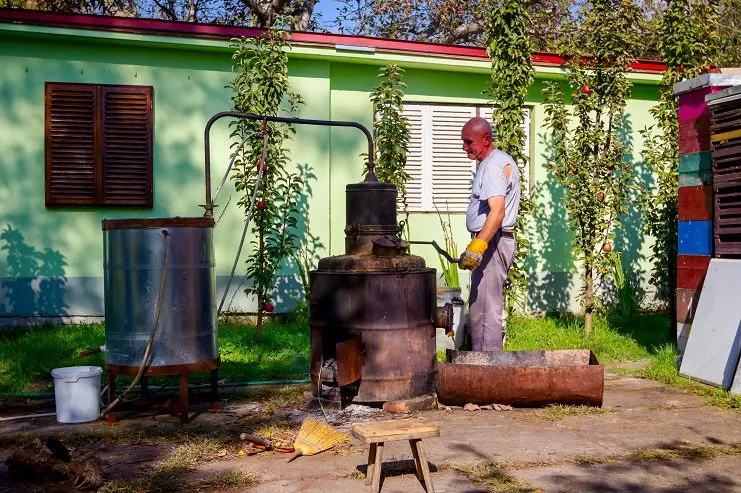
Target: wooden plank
(695, 237)
(692, 104)
(696, 178)
(694, 144)
(386, 431)
(686, 304)
(690, 278)
(732, 134)
(693, 261)
(694, 161)
(695, 127)
(695, 203)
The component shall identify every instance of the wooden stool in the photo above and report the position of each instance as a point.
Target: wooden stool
(389, 431)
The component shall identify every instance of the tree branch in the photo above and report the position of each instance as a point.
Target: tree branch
(464, 31)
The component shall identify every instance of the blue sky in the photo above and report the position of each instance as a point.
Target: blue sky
(328, 9)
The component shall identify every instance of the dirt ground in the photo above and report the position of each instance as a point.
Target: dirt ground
(647, 437)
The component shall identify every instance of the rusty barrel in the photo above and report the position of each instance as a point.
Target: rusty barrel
(389, 311)
(521, 378)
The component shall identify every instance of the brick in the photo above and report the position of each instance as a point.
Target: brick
(695, 203)
(695, 238)
(687, 304)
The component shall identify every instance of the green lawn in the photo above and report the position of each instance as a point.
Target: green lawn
(612, 339)
(27, 357)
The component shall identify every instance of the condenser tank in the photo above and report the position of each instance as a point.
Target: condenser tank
(136, 254)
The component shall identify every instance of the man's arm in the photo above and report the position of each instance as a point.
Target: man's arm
(493, 219)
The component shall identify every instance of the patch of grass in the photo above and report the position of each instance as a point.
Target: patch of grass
(124, 487)
(664, 369)
(591, 460)
(168, 476)
(28, 356)
(612, 338)
(557, 412)
(195, 450)
(231, 479)
(492, 475)
(275, 397)
(687, 452)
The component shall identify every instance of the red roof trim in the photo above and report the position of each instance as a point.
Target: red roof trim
(185, 29)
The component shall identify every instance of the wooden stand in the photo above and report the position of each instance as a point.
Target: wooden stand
(377, 433)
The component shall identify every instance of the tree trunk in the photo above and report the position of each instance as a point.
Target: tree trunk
(588, 301)
(260, 295)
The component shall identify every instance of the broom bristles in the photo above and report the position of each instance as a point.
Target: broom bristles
(315, 436)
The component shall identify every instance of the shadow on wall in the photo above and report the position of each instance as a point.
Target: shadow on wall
(292, 283)
(35, 280)
(551, 262)
(629, 237)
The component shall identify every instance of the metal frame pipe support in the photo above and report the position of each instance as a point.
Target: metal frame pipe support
(209, 206)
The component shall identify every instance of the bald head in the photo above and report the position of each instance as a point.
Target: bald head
(478, 125)
(476, 137)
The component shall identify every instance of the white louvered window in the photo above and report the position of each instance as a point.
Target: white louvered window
(440, 171)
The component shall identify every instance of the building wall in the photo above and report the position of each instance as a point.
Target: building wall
(60, 250)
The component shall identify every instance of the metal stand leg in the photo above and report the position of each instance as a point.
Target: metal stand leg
(214, 389)
(184, 398)
(111, 416)
(145, 387)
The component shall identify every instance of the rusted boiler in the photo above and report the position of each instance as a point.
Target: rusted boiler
(373, 309)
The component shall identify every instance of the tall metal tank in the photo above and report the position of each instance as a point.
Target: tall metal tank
(134, 256)
(373, 310)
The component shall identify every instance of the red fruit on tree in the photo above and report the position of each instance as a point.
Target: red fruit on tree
(606, 247)
(268, 307)
(262, 205)
(586, 90)
(601, 195)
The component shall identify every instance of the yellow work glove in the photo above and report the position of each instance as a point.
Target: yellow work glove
(471, 258)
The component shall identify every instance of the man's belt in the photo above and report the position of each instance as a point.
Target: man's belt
(503, 234)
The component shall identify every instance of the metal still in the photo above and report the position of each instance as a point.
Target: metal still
(373, 310)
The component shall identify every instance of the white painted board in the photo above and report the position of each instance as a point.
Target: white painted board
(714, 342)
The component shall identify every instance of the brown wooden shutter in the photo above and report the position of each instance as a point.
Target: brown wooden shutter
(127, 145)
(71, 144)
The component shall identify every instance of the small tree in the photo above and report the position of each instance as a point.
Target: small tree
(589, 153)
(687, 43)
(261, 86)
(391, 132)
(511, 76)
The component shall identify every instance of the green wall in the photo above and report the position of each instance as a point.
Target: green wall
(59, 252)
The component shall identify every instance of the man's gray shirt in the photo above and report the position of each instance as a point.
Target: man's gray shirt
(489, 181)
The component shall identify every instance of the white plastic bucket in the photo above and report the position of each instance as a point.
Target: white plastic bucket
(77, 393)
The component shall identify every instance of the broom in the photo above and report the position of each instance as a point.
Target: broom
(314, 437)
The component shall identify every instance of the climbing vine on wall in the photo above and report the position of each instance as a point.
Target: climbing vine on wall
(511, 76)
(260, 85)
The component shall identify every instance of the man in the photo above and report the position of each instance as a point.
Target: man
(491, 215)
